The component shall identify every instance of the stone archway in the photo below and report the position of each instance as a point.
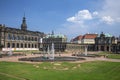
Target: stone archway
(8, 45)
(102, 48)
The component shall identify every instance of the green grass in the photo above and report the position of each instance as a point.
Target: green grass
(27, 51)
(114, 56)
(97, 70)
(4, 77)
(110, 55)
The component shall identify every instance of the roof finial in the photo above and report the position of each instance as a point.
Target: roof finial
(24, 15)
(52, 32)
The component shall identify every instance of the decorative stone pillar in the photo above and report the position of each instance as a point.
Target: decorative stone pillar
(105, 48)
(109, 48)
(99, 48)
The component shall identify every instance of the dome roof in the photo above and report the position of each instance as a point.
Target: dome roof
(56, 36)
(108, 35)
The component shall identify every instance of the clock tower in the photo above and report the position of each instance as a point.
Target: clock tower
(24, 25)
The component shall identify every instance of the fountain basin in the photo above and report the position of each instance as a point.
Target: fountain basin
(88, 55)
(44, 59)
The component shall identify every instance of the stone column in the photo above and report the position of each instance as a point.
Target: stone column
(105, 47)
(99, 48)
(109, 48)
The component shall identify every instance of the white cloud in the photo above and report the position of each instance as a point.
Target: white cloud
(83, 16)
(111, 8)
(80, 16)
(95, 13)
(107, 19)
(83, 21)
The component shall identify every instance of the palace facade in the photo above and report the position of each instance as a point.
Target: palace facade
(105, 42)
(19, 39)
(59, 41)
(85, 39)
(95, 42)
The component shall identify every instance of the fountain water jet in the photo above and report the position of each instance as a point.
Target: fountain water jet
(10, 52)
(85, 50)
(51, 57)
(52, 52)
(48, 51)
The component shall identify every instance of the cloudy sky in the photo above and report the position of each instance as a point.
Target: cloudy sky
(69, 17)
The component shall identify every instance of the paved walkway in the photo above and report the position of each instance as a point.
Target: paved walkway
(15, 58)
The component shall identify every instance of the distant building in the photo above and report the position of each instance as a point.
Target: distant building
(77, 39)
(85, 39)
(59, 41)
(73, 47)
(117, 49)
(95, 42)
(105, 42)
(89, 38)
(19, 39)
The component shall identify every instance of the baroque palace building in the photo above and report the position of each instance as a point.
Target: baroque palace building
(60, 44)
(98, 42)
(59, 41)
(19, 39)
(106, 42)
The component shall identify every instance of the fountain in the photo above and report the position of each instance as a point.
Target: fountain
(50, 56)
(10, 52)
(85, 50)
(44, 54)
(48, 51)
(85, 54)
(52, 52)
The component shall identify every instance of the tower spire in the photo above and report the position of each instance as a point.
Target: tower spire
(24, 25)
(24, 14)
(52, 32)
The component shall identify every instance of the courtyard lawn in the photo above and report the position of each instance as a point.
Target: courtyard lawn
(97, 70)
(114, 56)
(110, 55)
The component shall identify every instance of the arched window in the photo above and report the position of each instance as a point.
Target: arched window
(13, 45)
(25, 45)
(119, 46)
(8, 45)
(26, 38)
(18, 37)
(29, 45)
(9, 37)
(32, 38)
(17, 45)
(35, 46)
(32, 46)
(21, 45)
(36, 39)
(22, 37)
(13, 37)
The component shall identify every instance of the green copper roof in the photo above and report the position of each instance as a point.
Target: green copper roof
(56, 36)
(108, 35)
